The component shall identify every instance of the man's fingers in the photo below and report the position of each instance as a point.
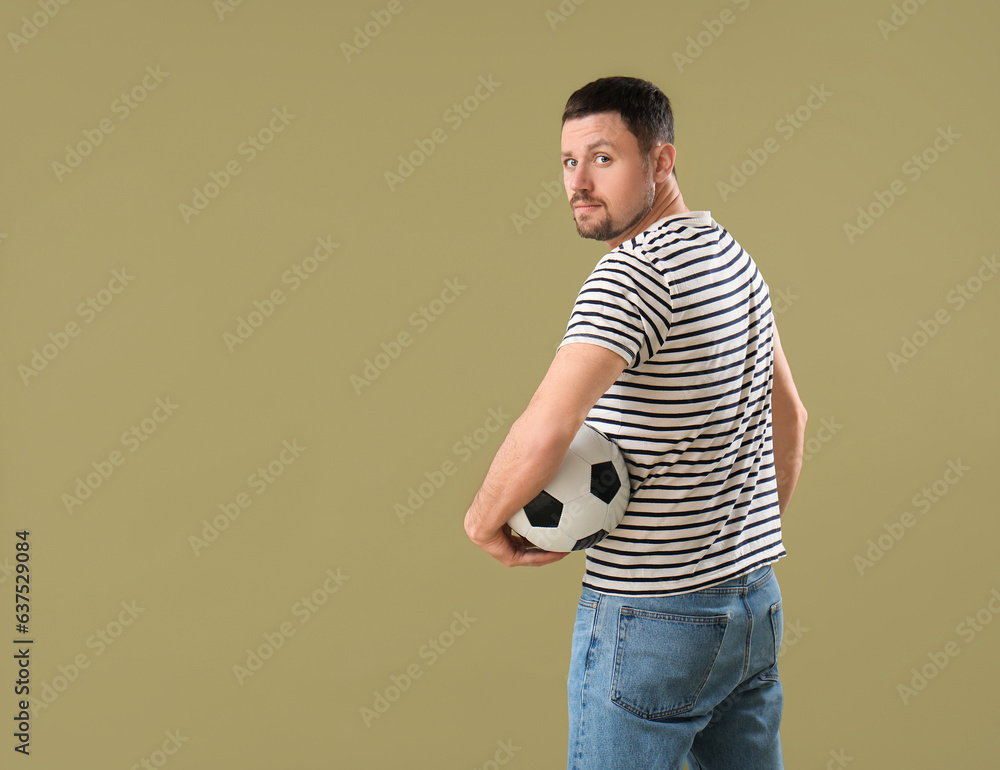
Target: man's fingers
(541, 558)
(534, 557)
(512, 550)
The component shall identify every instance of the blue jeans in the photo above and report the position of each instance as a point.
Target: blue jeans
(655, 681)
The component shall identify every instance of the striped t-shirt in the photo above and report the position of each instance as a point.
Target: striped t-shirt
(687, 309)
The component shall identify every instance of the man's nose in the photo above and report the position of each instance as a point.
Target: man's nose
(579, 180)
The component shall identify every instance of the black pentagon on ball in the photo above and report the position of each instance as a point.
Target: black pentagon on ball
(586, 542)
(604, 481)
(544, 510)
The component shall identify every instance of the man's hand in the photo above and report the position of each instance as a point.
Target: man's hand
(512, 550)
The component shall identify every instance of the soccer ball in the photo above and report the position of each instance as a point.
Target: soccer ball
(584, 502)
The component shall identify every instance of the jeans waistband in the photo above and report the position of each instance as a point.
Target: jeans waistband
(742, 581)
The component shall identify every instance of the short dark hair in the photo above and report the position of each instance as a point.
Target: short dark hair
(643, 107)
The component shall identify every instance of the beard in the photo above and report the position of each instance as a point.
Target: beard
(608, 228)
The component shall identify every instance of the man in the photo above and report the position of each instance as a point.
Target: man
(672, 352)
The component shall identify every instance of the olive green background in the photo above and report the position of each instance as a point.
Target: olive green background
(471, 658)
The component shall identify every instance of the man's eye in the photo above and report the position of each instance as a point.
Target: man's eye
(570, 162)
(603, 159)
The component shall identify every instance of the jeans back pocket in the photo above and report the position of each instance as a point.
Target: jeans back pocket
(662, 661)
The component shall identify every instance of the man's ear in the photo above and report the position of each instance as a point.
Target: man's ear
(665, 156)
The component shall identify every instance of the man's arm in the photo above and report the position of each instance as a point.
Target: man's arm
(788, 426)
(536, 446)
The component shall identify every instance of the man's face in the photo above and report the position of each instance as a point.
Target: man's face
(608, 182)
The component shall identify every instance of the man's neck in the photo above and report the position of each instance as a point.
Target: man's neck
(668, 202)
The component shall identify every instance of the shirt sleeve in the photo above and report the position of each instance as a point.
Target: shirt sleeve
(624, 306)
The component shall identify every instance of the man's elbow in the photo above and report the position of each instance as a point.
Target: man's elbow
(801, 417)
(546, 435)
(790, 413)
